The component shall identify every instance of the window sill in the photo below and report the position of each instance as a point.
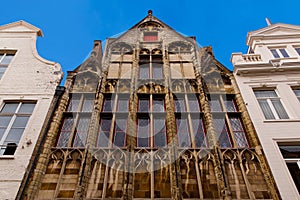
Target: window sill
(7, 157)
(281, 120)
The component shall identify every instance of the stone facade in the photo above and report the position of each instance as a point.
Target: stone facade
(153, 117)
(28, 82)
(272, 64)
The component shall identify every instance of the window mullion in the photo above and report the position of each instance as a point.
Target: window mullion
(74, 128)
(272, 108)
(191, 131)
(111, 131)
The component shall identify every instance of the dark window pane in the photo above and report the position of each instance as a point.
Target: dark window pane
(290, 151)
(143, 105)
(20, 122)
(4, 121)
(298, 50)
(222, 132)
(215, 105)
(81, 132)
(26, 108)
(143, 132)
(200, 139)
(14, 135)
(88, 104)
(158, 105)
(65, 132)
(238, 130)
(179, 105)
(107, 105)
(275, 54)
(157, 71)
(159, 133)
(279, 109)
(265, 93)
(230, 105)
(144, 71)
(7, 59)
(74, 104)
(120, 132)
(295, 173)
(104, 130)
(194, 104)
(9, 108)
(266, 109)
(123, 105)
(183, 133)
(284, 53)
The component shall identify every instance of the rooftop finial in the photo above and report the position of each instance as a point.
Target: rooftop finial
(149, 12)
(268, 21)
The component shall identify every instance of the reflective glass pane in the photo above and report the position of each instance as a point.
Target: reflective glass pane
(74, 103)
(26, 108)
(144, 71)
(295, 173)
(266, 109)
(279, 109)
(107, 105)
(200, 140)
(6, 60)
(222, 132)
(275, 54)
(158, 105)
(88, 105)
(284, 53)
(265, 93)
(143, 105)
(4, 121)
(65, 132)
(183, 133)
(123, 105)
(157, 71)
(120, 132)
(297, 92)
(290, 151)
(104, 130)
(179, 105)
(194, 104)
(81, 131)
(143, 135)
(2, 69)
(215, 105)
(230, 106)
(9, 108)
(14, 135)
(20, 121)
(159, 133)
(2, 130)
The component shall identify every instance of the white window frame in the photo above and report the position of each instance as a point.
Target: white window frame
(10, 124)
(277, 49)
(271, 106)
(5, 65)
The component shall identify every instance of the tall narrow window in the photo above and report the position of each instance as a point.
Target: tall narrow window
(297, 93)
(143, 135)
(104, 131)
(122, 104)
(270, 104)
(74, 129)
(108, 104)
(198, 130)
(159, 132)
(13, 120)
(144, 71)
(193, 104)
(184, 139)
(179, 104)
(238, 131)
(120, 132)
(222, 132)
(144, 105)
(291, 155)
(5, 59)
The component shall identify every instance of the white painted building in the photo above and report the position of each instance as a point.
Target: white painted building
(27, 86)
(268, 77)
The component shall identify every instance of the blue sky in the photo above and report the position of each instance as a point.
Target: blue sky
(70, 27)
